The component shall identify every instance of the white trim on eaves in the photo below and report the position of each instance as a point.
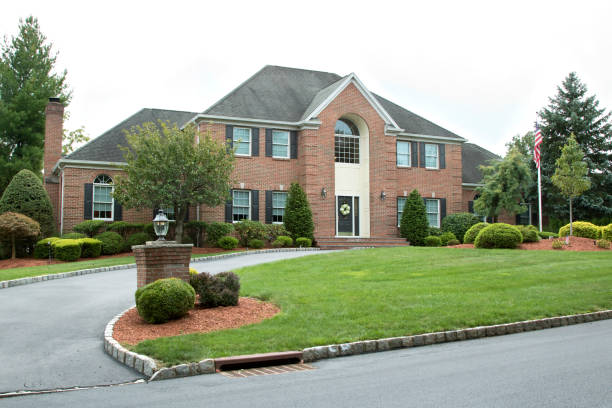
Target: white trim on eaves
(276, 124)
(87, 164)
(474, 185)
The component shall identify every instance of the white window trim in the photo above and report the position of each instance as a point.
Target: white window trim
(398, 211)
(250, 206)
(409, 154)
(288, 144)
(439, 220)
(93, 200)
(348, 136)
(437, 156)
(286, 195)
(250, 140)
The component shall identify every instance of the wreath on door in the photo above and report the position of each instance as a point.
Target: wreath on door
(345, 209)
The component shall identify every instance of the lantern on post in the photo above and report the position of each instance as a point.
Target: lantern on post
(161, 225)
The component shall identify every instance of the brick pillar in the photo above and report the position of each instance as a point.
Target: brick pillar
(160, 260)
(54, 125)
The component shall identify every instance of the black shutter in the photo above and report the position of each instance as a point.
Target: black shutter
(255, 205)
(414, 151)
(471, 207)
(268, 142)
(422, 154)
(441, 150)
(87, 202)
(268, 207)
(254, 141)
(294, 145)
(442, 209)
(117, 212)
(229, 136)
(518, 219)
(228, 208)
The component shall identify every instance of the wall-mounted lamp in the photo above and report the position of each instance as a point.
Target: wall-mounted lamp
(383, 195)
(323, 192)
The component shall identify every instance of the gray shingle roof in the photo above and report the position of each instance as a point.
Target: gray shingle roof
(473, 156)
(105, 148)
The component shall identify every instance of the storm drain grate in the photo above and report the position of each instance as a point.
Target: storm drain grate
(279, 369)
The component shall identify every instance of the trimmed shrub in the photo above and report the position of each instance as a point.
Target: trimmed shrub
(557, 244)
(282, 242)
(274, 231)
(256, 244)
(435, 231)
(222, 289)
(580, 229)
(139, 238)
(248, 230)
(74, 235)
(89, 227)
(459, 223)
(298, 216)
(195, 230)
(66, 249)
(606, 232)
(112, 243)
(603, 243)
(414, 225)
(26, 195)
(90, 247)
(227, 242)
(164, 300)
(41, 249)
(453, 242)
(149, 230)
(120, 227)
(447, 236)
(217, 230)
(470, 234)
(498, 235)
(303, 242)
(546, 234)
(432, 241)
(16, 227)
(529, 233)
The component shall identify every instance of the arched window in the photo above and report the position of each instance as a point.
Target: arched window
(103, 198)
(346, 142)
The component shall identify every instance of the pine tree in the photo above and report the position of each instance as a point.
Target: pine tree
(413, 224)
(27, 82)
(298, 216)
(572, 111)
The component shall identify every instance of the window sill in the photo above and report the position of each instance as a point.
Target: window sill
(281, 158)
(244, 156)
(404, 167)
(431, 169)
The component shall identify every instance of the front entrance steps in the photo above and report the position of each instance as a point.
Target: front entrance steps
(355, 242)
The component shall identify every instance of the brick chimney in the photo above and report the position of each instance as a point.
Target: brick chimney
(54, 126)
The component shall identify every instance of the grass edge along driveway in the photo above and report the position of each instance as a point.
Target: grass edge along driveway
(378, 293)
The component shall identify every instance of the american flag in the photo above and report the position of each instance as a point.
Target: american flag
(536, 146)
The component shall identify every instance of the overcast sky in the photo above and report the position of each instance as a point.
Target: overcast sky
(479, 69)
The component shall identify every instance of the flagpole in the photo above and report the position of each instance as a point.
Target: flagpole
(540, 197)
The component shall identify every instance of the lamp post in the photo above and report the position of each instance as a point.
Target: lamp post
(160, 225)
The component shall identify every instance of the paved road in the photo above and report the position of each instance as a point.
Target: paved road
(51, 333)
(562, 367)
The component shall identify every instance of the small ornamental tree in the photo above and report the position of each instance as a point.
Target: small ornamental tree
(170, 167)
(571, 173)
(298, 216)
(414, 225)
(26, 195)
(13, 226)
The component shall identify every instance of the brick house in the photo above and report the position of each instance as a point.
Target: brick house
(356, 154)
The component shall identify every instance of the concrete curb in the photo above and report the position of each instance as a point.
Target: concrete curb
(148, 367)
(35, 279)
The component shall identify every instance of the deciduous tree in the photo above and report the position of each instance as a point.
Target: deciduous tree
(14, 226)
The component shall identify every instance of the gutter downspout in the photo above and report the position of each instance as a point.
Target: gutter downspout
(62, 207)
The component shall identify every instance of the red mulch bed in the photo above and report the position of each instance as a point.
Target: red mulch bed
(576, 244)
(132, 329)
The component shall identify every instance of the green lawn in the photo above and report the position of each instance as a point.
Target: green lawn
(26, 272)
(377, 293)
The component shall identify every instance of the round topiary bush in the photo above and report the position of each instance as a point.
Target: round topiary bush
(90, 247)
(42, 247)
(529, 233)
(112, 243)
(556, 244)
(256, 244)
(470, 234)
(164, 300)
(303, 242)
(498, 235)
(580, 229)
(603, 243)
(227, 242)
(282, 241)
(606, 232)
(447, 236)
(453, 242)
(66, 249)
(432, 241)
(459, 223)
(139, 238)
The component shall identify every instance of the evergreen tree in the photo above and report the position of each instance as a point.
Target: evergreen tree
(298, 216)
(27, 82)
(413, 224)
(571, 173)
(26, 195)
(572, 111)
